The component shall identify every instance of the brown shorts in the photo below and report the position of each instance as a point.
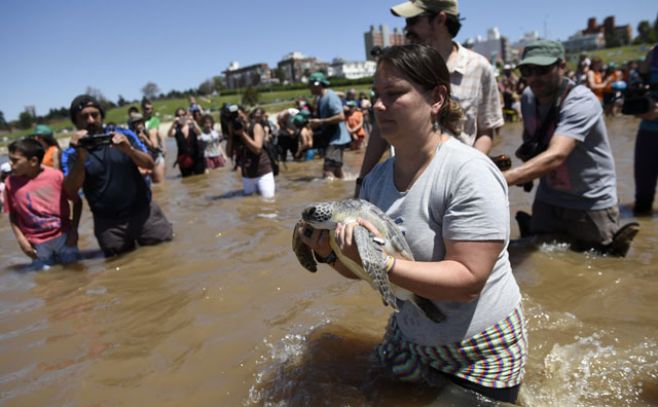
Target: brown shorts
(588, 227)
(147, 228)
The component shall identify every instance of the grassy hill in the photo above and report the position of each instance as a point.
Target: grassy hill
(618, 55)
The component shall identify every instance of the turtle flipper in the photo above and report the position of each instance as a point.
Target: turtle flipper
(428, 308)
(303, 252)
(373, 260)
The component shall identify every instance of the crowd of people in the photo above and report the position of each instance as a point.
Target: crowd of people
(436, 106)
(608, 82)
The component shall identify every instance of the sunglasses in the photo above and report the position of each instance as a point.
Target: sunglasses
(414, 20)
(537, 70)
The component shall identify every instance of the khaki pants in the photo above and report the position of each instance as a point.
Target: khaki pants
(586, 227)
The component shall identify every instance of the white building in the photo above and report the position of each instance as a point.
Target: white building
(351, 69)
(516, 50)
(233, 66)
(584, 42)
(494, 47)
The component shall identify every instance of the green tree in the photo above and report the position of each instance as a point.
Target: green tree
(25, 120)
(645, 33)
(3, 122)
(250, 96)
(121, 101)
(218, 83)
(150, 90)
(206, 87)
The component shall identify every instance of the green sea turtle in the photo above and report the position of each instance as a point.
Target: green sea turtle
(372, 250)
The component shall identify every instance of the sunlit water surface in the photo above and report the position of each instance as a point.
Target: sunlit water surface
(225, 316)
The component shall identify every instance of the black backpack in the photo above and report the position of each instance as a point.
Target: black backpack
(270, 150)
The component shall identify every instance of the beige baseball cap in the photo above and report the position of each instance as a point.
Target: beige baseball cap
(413, 8)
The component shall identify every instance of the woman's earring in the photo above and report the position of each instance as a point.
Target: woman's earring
(436, 126)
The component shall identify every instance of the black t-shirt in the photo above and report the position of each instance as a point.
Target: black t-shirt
(113, 185)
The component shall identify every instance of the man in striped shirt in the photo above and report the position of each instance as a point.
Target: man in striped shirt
(472, 81)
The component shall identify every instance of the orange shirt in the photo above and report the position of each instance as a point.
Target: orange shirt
(616, 76)
(598, 78)
(49, 156)
(353, 119)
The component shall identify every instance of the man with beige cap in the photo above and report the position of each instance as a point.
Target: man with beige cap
(435, 23)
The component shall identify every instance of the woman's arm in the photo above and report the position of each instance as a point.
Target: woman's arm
(460, 276)
(254, 145)
(172, 129)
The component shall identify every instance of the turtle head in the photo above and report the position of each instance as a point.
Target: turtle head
(319, 215)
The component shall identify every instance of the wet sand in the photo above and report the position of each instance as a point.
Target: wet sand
(224, 315)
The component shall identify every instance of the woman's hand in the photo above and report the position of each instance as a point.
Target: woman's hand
(345, 238)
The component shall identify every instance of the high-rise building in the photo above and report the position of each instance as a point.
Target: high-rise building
(382, 37)
(493, 47)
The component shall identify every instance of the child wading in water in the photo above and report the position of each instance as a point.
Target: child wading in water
(213, 154)
(38, 207)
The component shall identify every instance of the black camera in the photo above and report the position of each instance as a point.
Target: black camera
(503, 162)
(529, 149)
(95, 140)
(237, 124)
(637, 100)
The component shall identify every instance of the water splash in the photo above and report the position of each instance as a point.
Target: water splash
(595, 370)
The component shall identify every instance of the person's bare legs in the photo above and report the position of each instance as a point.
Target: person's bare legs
(158, 174)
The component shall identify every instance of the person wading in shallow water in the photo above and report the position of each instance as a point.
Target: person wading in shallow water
(435, 23)
(451, 203)
(565, 144)
(105, 166)
(332, 122)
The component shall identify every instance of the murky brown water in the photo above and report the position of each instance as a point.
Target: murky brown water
(224, 315)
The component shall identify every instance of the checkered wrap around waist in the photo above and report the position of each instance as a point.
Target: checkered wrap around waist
(493, 358)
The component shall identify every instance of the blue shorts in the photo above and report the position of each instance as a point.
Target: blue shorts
(55, 251)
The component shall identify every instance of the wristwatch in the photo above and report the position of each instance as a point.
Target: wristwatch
(328, 259)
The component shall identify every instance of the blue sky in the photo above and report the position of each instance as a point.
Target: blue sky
(53, 49)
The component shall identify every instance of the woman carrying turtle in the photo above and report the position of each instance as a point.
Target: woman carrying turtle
(451, 203)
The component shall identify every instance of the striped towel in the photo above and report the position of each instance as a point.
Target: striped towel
(493, 358)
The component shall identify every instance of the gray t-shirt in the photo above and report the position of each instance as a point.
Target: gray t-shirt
(461, 195)
(586, 179)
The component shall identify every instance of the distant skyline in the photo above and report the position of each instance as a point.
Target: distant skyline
(54, 50)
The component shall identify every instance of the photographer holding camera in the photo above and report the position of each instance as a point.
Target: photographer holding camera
(235, 118)
(248, 143)
(186, 132)
(105, 164)
(565, 143)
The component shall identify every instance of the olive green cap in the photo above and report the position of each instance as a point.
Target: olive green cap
(542, 52)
